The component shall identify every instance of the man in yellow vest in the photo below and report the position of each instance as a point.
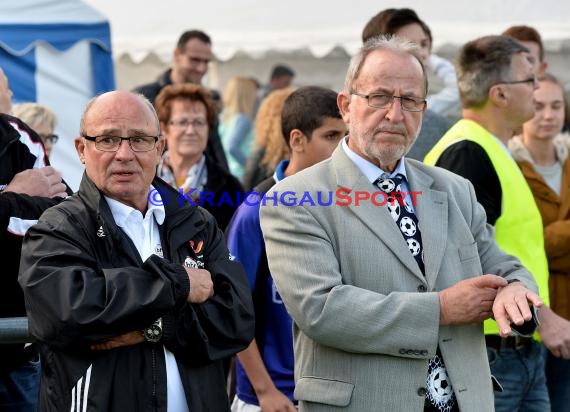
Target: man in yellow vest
(496, 84)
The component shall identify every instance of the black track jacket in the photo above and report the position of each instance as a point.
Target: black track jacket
(84, 282)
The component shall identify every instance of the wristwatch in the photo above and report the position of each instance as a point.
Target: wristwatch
(153, 333)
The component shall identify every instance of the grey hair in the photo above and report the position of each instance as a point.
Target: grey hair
(382, 42)
(481, 64)
(137, 95)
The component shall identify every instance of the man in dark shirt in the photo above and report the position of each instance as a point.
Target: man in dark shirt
(190, 61)
(496, 82)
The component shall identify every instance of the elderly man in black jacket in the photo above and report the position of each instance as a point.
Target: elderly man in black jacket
(130, 290)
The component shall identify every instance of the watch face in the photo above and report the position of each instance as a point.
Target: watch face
(153, 333)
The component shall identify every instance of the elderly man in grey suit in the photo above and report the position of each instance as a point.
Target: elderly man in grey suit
(387, 266)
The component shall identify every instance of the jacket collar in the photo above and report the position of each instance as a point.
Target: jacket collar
(521, 154)
(176, 208)
(431, 210)
(8, 135)
(165, 78)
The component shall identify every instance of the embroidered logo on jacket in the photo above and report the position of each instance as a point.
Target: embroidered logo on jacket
(198, 248)
(198, 261)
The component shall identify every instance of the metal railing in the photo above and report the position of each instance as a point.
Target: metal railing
(14, 330)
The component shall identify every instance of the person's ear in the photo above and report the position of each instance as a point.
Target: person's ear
(297, 141)
(80, 148)
(176, 53)
(160, 145)
(343, 102)
(498, 95)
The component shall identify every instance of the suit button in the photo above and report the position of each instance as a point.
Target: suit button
(422, 288)
(422, 391)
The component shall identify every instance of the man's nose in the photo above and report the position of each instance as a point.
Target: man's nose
(395, 110)
(124, 151)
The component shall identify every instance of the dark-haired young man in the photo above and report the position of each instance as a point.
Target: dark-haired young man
(265, 369)
(441, 106)
(190, 61)
(530, 38)
(280, 78)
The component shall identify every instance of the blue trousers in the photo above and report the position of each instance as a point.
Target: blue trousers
(19, 387)
(521, 373)
(558, 382)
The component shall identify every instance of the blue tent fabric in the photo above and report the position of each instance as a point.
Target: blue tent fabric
(57, 53)
(17, 48)
(103, 70)
(21, 72)
(19, 38)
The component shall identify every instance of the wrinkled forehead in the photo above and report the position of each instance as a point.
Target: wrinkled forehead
(122, 113)
(388, 69)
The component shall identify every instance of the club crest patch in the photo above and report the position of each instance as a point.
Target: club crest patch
(197, 248)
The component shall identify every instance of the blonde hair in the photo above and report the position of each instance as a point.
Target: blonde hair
(34, 114)
(239, 96)
(268, 134)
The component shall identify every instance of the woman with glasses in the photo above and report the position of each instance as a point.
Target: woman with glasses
(187, 113)
(39, 118)
(542, 154)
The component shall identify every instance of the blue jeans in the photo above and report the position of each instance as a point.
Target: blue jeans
(521, 374)
(558, 382)
(19, 387)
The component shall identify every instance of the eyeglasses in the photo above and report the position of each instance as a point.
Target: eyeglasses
(50, 138)
(531, 80)
(197, 124)
(383, 101)
(107, 143)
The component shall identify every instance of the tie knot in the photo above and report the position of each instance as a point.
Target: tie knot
(389, 184)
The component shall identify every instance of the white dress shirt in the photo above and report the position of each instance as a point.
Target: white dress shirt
(143, 232)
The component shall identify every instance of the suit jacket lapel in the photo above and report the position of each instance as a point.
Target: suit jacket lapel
(431, 210)
(376, 218)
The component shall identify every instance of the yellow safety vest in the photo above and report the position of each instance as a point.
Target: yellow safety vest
(519, 230)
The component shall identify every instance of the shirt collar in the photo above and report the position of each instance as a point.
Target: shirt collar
(503, 146)
(121, 211)
(279, 174)
(369, 169)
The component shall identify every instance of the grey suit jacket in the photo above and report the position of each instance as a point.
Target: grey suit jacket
(366, 320)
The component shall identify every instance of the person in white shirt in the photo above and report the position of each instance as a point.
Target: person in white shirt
(130, 290)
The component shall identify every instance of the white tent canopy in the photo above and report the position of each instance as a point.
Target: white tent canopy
(320, 25)
(315, 37)
(56, 53)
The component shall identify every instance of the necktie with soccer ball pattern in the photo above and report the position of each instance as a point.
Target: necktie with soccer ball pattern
(403, 215)
(439, 394)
